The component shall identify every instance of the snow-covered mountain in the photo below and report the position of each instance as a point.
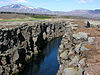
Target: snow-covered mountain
(22, 8)
(29, 9)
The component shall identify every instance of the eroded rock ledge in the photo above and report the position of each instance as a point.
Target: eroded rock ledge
(18, 44)
(79, 52)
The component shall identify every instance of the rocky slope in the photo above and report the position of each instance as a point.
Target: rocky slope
(79, 51)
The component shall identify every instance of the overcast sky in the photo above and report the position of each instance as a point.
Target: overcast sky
(56, 5)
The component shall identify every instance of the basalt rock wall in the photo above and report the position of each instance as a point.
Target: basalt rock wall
(17, 45)
(71, 53)
(79, 51)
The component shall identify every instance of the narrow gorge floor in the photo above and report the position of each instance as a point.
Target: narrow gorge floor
(45, 63)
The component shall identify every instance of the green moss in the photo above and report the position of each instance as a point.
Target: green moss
(41, 16)
(66, 16)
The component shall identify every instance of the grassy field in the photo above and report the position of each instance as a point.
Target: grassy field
(26, 19)
(19, 17)
(41, 16)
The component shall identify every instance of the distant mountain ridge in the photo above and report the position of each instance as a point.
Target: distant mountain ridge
(29, 9)
(22, 8)
(85, 13)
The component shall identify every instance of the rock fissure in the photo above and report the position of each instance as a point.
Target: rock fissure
(17, 45)
(79, 46)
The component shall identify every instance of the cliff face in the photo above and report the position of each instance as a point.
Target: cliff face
(17, 45)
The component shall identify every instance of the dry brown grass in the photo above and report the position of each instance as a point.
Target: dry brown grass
(80, 23)
(93, 55)
(7, 26)
(92, 32)
(12, 16)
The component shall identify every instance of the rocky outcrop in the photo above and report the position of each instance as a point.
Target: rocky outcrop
(70, 55)
(17, 45)
(79, 51)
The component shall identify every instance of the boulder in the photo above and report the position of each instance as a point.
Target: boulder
(44, 35)
(64, 55)
(3, 61)
(82, 62)
(77, 48)
(15, 56)
(72, 26)
(48, 30)
(80, 35)
(91, 40)
(70, 71)
(18, 31)
(74, 61)
(61, 47)
(83, 48)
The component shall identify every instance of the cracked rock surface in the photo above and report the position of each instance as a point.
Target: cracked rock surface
(79, 52)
